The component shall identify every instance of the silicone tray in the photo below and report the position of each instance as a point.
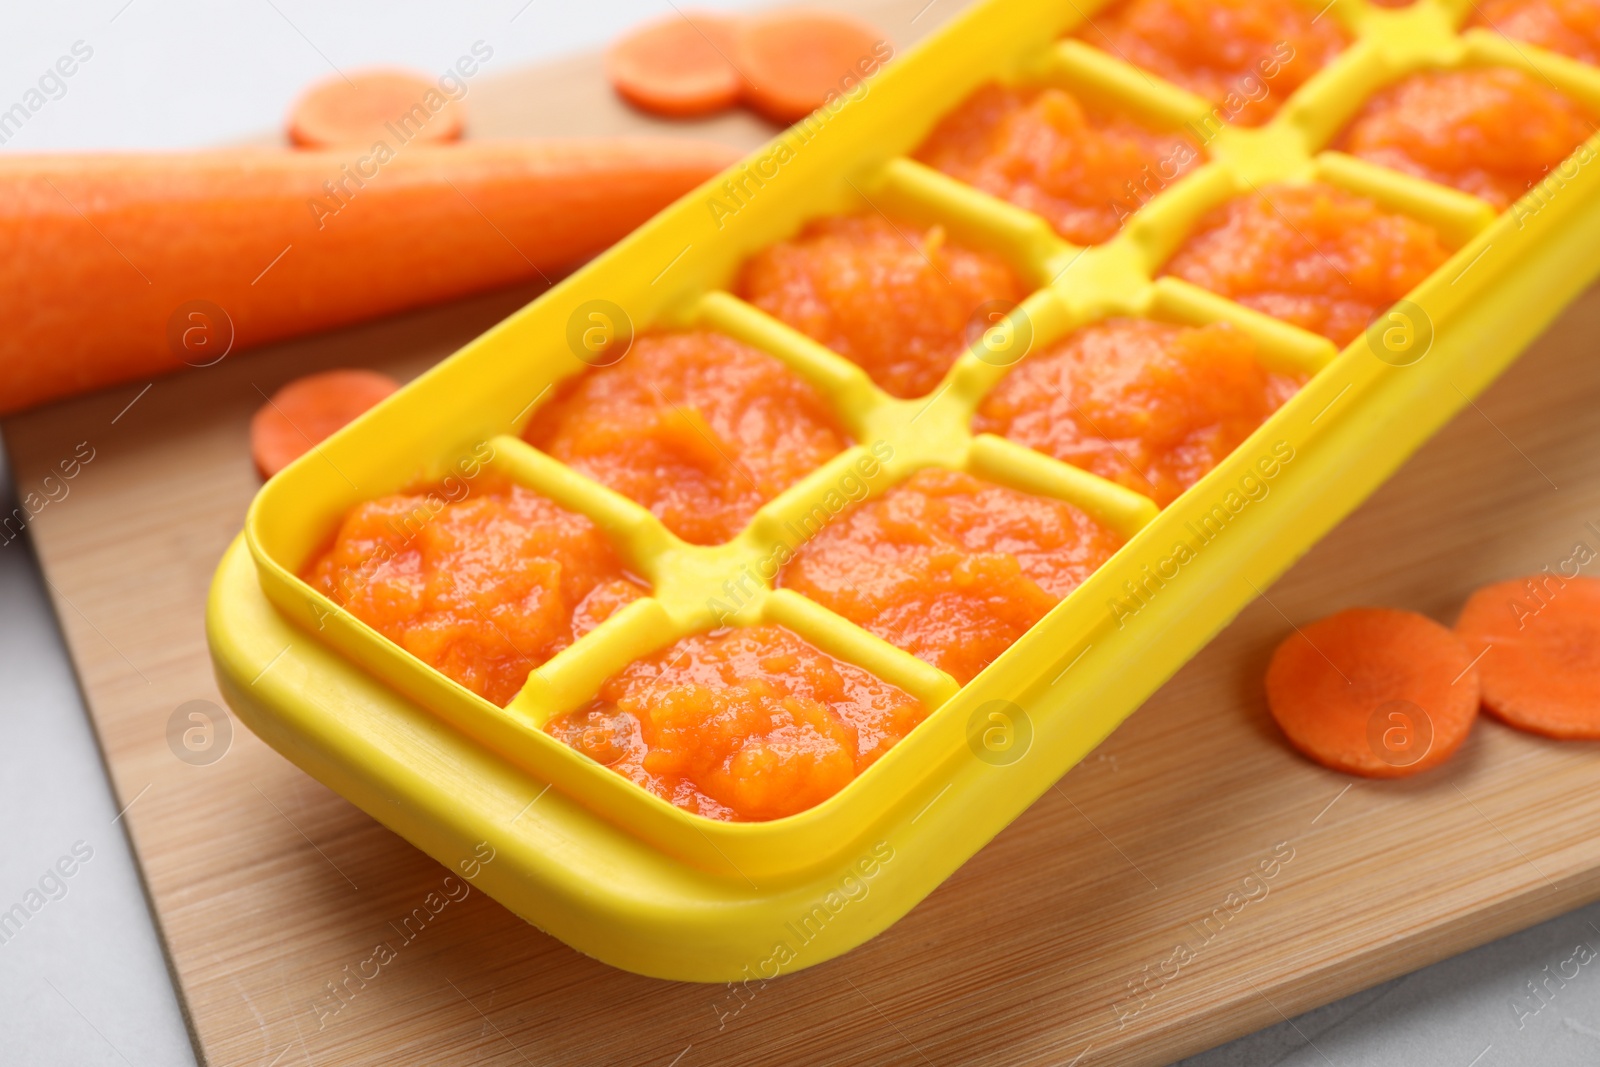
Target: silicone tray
(626, 877)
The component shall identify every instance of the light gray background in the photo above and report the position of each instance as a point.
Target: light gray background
(85, 982)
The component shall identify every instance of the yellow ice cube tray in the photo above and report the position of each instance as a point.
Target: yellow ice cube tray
(623, 876)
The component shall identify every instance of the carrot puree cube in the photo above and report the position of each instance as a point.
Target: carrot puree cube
(1492, 132)
(898, 299)
(1246, 56)
(741, 725)
(1314, 255)
(1149, 405)
(1571, 27)
(696, 426)
(484, 582)
(1042, 150)
(950, 568)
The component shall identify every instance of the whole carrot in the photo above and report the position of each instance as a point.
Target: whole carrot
(119, 267)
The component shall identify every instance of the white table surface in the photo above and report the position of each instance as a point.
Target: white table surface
(84, 982)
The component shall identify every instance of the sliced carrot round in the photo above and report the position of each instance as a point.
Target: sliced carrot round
(395, 106)
(1540, 641)
(308, 410)
(793, 59)
(678, 67)
(1374, 692)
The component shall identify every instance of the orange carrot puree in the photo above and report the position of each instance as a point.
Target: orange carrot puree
(1492, 132)
(744, 724)
(1571, 27)
(950, 568)
(1149, 405)
(1319, 257)
(1246, 56)
(699, 428)
(899, 299)
(1042, 150)
(483, 580)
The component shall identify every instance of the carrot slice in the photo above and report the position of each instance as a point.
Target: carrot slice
(1540, 642)
(794, 59)
(1374, 692)
(678, 67)
(373, 105)
(308, 410)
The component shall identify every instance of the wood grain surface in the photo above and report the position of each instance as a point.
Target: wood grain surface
(1056, 944)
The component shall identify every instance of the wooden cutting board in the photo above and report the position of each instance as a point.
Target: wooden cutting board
(1055, 944)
